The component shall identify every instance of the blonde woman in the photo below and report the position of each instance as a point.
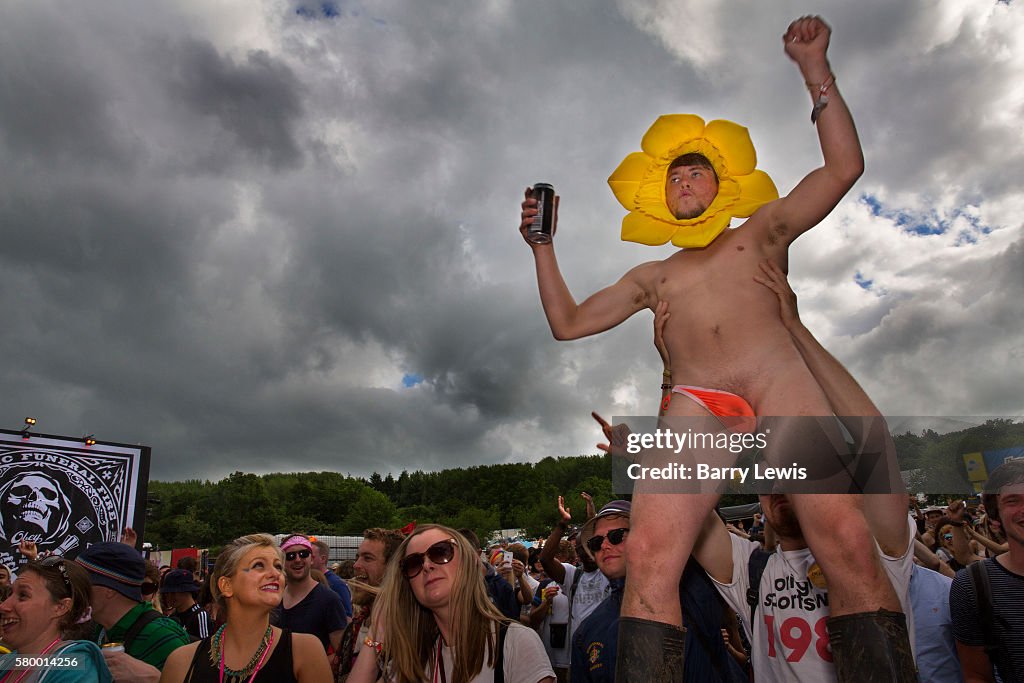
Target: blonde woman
(433, 621)
(247, 583)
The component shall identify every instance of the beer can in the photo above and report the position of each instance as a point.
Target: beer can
(543, 224)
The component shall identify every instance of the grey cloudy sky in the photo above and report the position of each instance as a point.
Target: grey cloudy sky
(279, 235)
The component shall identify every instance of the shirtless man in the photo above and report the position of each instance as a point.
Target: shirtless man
(725, 334)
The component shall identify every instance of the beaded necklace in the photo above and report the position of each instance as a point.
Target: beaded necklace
(254, 664)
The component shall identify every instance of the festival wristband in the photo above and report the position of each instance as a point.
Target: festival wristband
(375, 645)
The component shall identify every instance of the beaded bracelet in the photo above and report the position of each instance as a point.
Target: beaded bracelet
(376, 645)
(822, 100)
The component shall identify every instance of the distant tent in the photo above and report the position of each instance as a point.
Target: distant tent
(734, 512)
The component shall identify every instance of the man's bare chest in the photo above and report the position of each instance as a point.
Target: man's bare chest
(724, 267)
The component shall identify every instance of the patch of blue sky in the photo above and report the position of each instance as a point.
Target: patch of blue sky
(862, 281)
(411, 379)
(929, 222)
(315, 11)
(872, 203)
(323, 10)
(966, 237)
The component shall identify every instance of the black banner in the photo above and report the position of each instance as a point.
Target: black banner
(65, 495)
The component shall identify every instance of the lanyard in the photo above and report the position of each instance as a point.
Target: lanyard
(259, 664)
(439, 664)
(26, 672)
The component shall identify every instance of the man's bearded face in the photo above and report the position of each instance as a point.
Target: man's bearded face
(369, 568)
(689, 190)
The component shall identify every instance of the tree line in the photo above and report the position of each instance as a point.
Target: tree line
(483, 498)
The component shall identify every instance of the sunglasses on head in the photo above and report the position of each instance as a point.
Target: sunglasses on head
(615, 537)
(441, 552)
(292, 554)
(58, 562)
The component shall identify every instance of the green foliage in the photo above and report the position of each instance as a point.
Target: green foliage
(937, 459)
(482, 498)
(482, 522)
(371, 509)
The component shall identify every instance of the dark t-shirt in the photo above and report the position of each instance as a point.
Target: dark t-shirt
(196, 622)
(319, 613)
(502, 594)
(1008, 608)
(339, 586)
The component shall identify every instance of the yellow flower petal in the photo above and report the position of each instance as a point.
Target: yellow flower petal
(668, 131)
(733, 142)
(626, 178)
(697, 236)
(637, 227)
(757, 190)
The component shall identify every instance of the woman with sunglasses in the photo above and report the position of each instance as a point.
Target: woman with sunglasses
(49, 598)
(246, 584)
(433, 621)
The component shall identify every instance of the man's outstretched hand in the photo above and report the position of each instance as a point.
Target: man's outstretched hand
(617, 436)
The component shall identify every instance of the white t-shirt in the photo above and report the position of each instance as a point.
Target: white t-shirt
(532, 583)
(791, 642)
(525, 659)
(591, 591)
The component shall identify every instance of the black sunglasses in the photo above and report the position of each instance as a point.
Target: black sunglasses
(615, 537)
(148, 587)
(58, 562)
(441, 552)
(291, 555)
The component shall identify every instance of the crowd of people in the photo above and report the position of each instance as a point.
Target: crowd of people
(432, 603)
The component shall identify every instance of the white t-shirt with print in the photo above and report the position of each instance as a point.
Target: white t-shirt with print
(591, 591)
(791, 642)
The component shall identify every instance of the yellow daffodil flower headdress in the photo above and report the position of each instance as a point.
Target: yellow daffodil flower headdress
(639, 181)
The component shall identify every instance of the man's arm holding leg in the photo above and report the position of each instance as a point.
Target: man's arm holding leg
(713, 549)
(885, 513)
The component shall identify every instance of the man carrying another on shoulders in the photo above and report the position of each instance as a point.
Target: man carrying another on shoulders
(719, 371)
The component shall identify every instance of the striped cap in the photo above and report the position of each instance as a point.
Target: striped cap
(116, 566)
